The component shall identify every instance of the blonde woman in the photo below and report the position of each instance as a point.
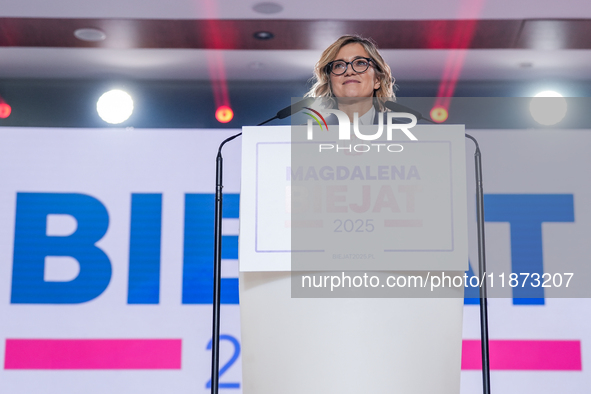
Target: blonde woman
(352, 76)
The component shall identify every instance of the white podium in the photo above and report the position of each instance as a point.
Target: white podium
(353, 345)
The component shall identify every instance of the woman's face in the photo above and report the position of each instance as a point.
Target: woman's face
(351, 83)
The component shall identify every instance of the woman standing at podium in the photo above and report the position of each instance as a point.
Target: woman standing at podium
(352, 76)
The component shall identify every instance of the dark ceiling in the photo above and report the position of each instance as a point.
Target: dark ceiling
(299, 34)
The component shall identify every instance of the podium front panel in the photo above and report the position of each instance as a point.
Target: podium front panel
(399, 210)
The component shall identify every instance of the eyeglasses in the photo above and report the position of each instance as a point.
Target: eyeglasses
(339, 67)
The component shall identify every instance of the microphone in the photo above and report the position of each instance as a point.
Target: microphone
(290, 110)
(391, 105)
(281, 114)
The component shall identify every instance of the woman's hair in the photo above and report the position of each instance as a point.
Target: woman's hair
(322, 87)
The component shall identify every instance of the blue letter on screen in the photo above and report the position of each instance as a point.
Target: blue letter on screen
(471, 294)
(526, 213)
(144, 249)
(32, 245)
(198, 250)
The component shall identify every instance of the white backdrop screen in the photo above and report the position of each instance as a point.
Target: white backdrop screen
(106, 244)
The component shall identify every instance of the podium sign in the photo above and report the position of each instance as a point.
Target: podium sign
(328, 204)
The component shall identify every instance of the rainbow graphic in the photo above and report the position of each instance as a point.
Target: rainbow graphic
(316, 119)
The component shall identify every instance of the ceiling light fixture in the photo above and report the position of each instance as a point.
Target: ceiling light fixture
(267, 8)
(263, 35)
(90, 34)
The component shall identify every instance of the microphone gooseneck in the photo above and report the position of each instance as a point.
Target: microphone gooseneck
(282, 114)
(290, 110)
(295, 108)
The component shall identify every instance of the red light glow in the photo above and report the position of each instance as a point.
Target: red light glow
(439, 114)
(224, 114)
(5, 110)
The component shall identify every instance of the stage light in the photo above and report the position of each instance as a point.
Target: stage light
(439, 114)
(5, 110)
(115, 106)
(224, 114)
(548, 107)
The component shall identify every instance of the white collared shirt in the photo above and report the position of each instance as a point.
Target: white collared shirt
(367, 118)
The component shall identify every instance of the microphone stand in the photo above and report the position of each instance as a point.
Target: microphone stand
(484, 344)
(482, 269)
(217, 262)
(217, 241)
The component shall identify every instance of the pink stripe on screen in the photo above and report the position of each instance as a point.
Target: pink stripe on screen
(532, 355)
(93, 354)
